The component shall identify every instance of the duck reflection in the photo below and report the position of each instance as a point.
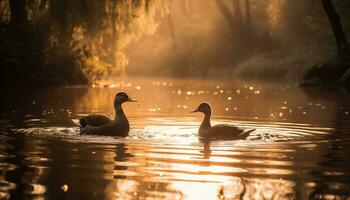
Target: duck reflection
(133, 179)
(206, 149)
(121, 156)
(90, 170)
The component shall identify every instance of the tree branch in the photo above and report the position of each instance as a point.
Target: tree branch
(226, 13)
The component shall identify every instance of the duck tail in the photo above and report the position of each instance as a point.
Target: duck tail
(249, 131)
(77, 122)
(246, 133)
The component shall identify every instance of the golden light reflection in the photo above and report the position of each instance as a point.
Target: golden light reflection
(175, 98)
(194, 191)
(182, 173)
(163, 158)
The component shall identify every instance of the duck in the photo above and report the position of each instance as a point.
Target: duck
(98, 124)
(220, 131)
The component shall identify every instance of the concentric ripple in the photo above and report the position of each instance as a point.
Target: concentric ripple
(300, 149)
(166, 160)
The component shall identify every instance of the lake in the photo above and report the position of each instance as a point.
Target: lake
(300, 149)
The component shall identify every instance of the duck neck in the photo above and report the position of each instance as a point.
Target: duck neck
(119, 113)
(206, 121)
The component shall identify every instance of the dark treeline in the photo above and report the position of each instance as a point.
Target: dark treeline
(55, 42)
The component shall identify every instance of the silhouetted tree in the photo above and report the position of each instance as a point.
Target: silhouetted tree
(340, 37)
(238, 14)
(48, 41)
(248, 16)
(18, 12)
(227, 14)
(239, 19)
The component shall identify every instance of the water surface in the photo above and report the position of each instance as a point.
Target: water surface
(300, 150)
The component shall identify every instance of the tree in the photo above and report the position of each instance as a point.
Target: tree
(340, 37)
(339, 34)
(18, 12)
(339, 71)
(238, 19)
(248, 16)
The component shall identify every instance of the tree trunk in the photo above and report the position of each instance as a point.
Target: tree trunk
(345, 78)
(18, 12)
(227, 14)
(171, 29)
(238, 15)
(340, 37)
(248, 16)
(185, 7)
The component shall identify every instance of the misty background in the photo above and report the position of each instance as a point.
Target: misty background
(286, 38)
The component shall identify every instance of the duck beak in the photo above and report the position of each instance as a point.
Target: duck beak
(132, 100)
(196, 110)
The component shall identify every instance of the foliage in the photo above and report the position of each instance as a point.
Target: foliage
(302, 35)
(76, 35)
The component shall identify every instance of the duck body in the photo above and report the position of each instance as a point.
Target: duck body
(114, 128)
(224, 132)
(95, 120)
(97, 124)
(220, 131)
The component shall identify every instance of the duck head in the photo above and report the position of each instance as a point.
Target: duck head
(122, 97)
(203, 108)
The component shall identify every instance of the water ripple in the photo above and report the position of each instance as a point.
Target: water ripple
(166, 160)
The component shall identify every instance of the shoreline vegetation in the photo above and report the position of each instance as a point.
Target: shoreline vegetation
(28, 63)
(54, 43)
(332, 72)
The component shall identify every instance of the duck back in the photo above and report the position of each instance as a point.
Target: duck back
(95, 120)
(223, 131)
(110, 129)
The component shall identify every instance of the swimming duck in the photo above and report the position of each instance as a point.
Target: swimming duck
(220, 131)
(97, 124)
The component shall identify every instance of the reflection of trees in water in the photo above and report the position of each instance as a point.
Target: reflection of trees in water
(332, 174)
(90, 171)
(52, 106)
(42, 168)
(15, 175)
(28, 174)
